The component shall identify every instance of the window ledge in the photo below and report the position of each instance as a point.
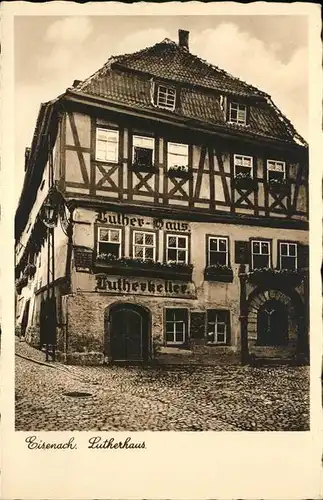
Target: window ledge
(174, 349)
(182, 174)
(211, 274)
(151, 269)
(135, 167)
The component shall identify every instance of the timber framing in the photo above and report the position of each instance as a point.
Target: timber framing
(183, 213)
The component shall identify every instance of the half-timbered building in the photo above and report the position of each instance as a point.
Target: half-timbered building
(164, 215)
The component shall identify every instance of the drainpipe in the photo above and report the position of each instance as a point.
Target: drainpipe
(243, 315)
(68, 270)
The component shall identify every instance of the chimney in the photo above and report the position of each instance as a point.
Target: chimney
(76, 83)
(183, 38)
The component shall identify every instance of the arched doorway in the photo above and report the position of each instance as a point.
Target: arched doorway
(127, 333)
(272, 324)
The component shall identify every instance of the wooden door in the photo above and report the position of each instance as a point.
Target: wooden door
(272, 324)
(128, 333)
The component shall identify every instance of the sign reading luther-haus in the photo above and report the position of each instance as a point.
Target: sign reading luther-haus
(118, 219)
(155, 287)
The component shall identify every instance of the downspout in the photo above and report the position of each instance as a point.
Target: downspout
(68, 270)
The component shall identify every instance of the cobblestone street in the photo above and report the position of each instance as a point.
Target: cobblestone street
(224, 398)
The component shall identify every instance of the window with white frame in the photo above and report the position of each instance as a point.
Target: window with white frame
(144, 245)
(107, 145)
(176, 326)
(217, 326)
(177, 156)
(260, 254)
(109, 242)
(143, 150)
(238, 113)
(243, 165)
(275, 170)
(166, 97)
(177, 248)
(218, 253)
(288, 255)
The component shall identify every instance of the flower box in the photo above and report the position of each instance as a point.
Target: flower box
(144, 167)
(30, 270)
(274, 277)
(135, 267)
(21, 283)
(245, 181)
(218, 273)
(180, 172)
(278, 186)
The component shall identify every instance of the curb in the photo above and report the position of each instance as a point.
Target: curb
(35, 361)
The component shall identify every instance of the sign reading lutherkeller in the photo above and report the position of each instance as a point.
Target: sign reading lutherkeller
(118, 219)
(140, 286)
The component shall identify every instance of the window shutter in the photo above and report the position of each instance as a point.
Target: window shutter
(303, 256)
(242, 252)
(197, 325)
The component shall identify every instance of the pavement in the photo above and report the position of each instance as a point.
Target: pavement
(119, 398)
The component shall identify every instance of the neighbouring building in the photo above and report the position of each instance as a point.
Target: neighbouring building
(164, 215)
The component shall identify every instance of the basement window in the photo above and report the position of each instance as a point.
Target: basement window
(176, 326)
(218, 324)
(166, 97)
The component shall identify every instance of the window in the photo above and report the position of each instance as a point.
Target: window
(243, 165)
(107, 145)
(217, 251)
(144, 245)
(238, 113)
(217, 326)
(166, 97)
(143, 151)
(176, 326)
(260, 254)
(275, 170)
(177, 248)
(109, 241)
(288, 255)
(177, 155)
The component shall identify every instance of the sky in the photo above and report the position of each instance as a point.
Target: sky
(269, 52)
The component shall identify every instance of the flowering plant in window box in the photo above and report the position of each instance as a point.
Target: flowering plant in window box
(143, 167)
(218, 272)
(278, 185)
(178, 171)
(30, 270)
(139, 267)
(244, 180)
(21, 283)
(266, 276)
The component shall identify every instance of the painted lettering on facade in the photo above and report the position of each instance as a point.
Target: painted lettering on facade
(117, 219)
(161, 288)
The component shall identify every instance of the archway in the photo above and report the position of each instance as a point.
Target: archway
(127, 332)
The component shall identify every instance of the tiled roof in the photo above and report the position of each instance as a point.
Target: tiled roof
(126, 79)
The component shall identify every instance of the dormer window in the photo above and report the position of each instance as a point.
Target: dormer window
(238, 113)
(166, 97)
